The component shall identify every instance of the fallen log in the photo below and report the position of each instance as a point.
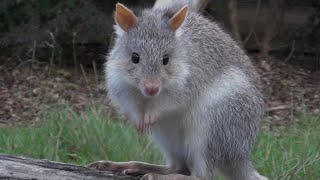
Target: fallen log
(17, 167)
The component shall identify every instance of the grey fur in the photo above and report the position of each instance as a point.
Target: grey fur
(209, 106)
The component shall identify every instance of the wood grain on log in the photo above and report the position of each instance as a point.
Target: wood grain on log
(17, 167)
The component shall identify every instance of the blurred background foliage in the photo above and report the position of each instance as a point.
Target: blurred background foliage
(55, 25)
(59, 30)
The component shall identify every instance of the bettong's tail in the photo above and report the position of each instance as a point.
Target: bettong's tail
(194, 5)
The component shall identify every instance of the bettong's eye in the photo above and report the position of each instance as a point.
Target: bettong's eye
(165, 59)
(135, 58)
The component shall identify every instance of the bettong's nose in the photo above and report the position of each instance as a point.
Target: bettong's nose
(152, 87)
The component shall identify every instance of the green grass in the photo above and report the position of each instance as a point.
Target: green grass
(68, 137)
(292, 154)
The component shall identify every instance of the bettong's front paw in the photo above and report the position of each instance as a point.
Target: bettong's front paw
(145, 124)
(130, 168)
(149, 120)
(104, 166)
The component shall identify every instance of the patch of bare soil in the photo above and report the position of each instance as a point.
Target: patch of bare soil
(289, 91)
(25, 92)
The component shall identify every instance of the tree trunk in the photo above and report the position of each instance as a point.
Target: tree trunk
(232, 7)
(16, 167)
(273, 24)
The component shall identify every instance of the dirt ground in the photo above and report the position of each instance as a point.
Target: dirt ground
(25, 92)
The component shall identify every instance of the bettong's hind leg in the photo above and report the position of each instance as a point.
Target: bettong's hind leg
(137, 168)
(131, 167)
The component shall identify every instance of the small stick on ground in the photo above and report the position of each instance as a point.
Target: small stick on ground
(278, 108)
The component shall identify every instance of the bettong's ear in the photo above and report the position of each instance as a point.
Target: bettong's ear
(124, 17)
(176, 21)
